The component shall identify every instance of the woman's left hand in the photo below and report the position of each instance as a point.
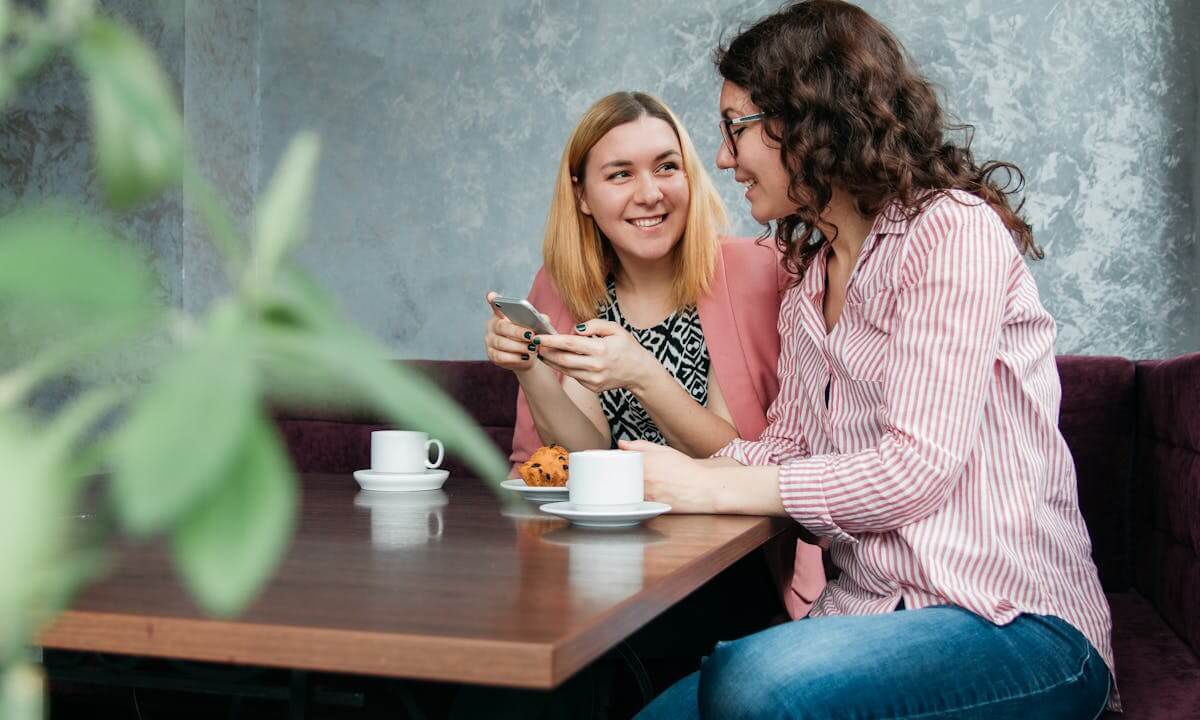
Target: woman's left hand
(673, 478)
(602, 355)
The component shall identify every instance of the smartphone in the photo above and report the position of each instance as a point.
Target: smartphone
(523, 313)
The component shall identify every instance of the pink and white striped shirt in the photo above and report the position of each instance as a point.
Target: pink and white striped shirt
(937, 470)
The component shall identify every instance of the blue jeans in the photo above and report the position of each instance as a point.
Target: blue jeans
(936, 662)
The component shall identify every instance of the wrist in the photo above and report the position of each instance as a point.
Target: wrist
(648, 369)
(526, 374)
(717, 496)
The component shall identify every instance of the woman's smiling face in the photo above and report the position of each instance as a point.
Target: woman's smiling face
(635, 188)
(758, 165)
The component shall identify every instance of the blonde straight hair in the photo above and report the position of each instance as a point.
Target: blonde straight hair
(578, 256)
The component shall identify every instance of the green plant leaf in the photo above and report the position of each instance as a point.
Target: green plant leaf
(356, 368)
(5, 14)
(136, 122)
(33, 512)
(22, 692)
(185, 427)
(54, 258)
(283, 209)
(230, 543)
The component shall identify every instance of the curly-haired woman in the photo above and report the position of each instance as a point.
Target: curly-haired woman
(916, 426)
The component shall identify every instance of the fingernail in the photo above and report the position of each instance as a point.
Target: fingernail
(528, 335)
(581, 327)
(532, 346)
(524, 357)
(537, 341)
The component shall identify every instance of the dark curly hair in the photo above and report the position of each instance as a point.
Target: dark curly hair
(848, 108)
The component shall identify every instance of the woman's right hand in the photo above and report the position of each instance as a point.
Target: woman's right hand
(508, 344)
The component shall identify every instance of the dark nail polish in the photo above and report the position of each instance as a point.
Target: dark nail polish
(581, 327)
(537, 341)
(528, 335)
(532, 346)
(524, 357)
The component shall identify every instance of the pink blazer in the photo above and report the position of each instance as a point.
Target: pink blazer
(739, 317)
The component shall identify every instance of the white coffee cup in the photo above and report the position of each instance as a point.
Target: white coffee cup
(605, 479)
(403, 451)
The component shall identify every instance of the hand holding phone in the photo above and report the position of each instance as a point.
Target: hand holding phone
(523, 313)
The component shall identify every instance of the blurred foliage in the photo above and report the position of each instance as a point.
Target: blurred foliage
(191, 454)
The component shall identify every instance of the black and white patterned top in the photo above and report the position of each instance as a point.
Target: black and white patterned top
(678, 345)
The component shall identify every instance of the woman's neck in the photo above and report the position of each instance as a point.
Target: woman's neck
(645, 289)
(852, 227)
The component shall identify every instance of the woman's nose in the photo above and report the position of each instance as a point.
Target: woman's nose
(725, 159)
(648, 192)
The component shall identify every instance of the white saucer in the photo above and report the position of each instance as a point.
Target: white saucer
(401, 482)
(535, 494)
(624, 517)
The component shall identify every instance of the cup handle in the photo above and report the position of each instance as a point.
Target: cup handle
(441, 452)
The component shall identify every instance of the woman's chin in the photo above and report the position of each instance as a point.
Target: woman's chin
(764, 213)
(761, 215)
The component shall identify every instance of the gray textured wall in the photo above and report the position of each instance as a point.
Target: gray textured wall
(45, 148)
(442, 124)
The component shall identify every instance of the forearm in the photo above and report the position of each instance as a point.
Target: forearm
(741, 490)
(688, 426)
(557, 418)
(715, 462)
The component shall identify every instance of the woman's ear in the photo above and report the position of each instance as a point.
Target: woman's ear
(580, 197)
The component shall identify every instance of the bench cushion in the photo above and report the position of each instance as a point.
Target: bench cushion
(338, 440)
(1167, 492)
(1158, 676)
(1097, 420)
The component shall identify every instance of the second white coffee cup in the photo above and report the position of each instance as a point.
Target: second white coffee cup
(403, 451)
(604, 479)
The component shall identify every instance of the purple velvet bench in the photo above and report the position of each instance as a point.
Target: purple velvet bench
(1134, 431)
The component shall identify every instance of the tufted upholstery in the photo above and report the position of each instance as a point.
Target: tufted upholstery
(335, 440)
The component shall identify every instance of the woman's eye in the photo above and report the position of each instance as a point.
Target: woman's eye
(619, 175)
(668, 167)
(738, 131)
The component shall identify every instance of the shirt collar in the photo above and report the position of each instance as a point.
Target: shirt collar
(891, 220)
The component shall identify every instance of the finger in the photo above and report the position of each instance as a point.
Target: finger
(598, 328)
(550, 364)
(568, 343)
(509, 359)
(519, 347)
(639, 446)
(564, 360)
(495, 310)
(509, 329)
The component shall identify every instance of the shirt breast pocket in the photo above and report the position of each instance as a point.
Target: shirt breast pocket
(868, 336)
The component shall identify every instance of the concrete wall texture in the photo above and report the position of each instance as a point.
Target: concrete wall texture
(442, 125)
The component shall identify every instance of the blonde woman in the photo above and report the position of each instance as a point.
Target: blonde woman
(667, 330)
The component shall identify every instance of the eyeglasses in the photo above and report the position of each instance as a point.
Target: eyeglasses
(727, 125)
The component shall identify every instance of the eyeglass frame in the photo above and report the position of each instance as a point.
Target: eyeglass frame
(726, 127)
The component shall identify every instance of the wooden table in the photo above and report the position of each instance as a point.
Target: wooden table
(450, 585)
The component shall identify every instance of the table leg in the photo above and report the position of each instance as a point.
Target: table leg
(298, 698)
